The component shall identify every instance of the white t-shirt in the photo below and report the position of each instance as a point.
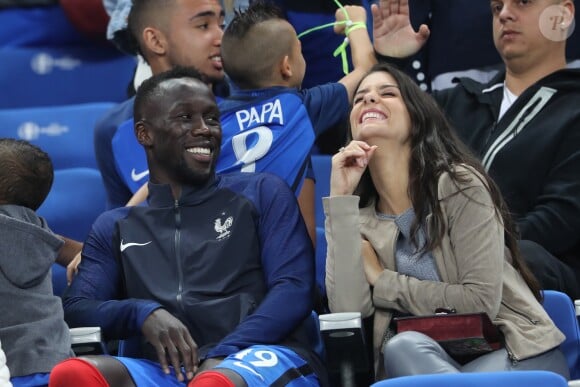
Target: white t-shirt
(508, 100)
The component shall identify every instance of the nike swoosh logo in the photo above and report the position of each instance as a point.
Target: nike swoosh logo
(125, 246)
(138, 176)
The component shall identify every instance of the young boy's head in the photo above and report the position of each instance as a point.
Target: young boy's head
(260, 49)
(26, 173)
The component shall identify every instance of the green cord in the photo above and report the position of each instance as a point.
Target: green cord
(321, 27)
(350, 26)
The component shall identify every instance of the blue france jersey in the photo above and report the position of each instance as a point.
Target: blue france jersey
(274, 129)
(269, 130)
(272, 134)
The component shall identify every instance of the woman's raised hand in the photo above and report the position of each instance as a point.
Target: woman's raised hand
(348, 166)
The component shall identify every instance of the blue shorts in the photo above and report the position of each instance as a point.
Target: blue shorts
(258, 365)
(34, 380)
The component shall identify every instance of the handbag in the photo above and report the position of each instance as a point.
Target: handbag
(464, 336)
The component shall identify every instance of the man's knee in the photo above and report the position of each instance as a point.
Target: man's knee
(217, 378)
(76, 372)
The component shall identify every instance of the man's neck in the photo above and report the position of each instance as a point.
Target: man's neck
(521, 76)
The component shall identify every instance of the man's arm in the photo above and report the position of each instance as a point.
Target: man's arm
(94, 297)
(288, 263)
(554, 221)
(68, 251)
(117, 193)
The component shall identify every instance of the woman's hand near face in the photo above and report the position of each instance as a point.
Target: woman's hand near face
(348, 166)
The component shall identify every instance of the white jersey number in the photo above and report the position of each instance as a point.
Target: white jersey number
(249, 156)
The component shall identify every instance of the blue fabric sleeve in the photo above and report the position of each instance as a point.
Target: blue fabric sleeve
(288, 264)
(117, 192)
(94, 297)
(327, 105)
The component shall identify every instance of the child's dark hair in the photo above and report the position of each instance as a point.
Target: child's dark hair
(26, 174)
(252, 46)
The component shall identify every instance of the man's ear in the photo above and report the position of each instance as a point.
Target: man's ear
(154, 40)
(143, 135)
(285, 68)
(568, 13)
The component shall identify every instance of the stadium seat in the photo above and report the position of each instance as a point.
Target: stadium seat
(477, 379)
(75, 200)
(321, 164)
(561, 310)
(64, 132)
(64, 75)
(46, 26)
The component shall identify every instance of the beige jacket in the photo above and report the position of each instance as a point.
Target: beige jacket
(475, 270)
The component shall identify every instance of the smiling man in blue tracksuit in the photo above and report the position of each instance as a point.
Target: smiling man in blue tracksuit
(215, 272)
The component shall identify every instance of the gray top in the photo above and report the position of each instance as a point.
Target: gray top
(410, 261)
(33, 333)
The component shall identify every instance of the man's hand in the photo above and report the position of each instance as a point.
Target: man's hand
(172, 340)
(393, 34)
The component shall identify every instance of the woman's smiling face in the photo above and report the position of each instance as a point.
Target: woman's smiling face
(379, 110)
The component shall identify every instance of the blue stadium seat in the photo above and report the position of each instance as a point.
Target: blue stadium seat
(37, 26)
(561, 310)
(495, 379)
(75, 200)
(63, 75)
(64, 132)
(321, 164)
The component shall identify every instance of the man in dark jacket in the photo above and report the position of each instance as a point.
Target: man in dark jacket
(523, 124)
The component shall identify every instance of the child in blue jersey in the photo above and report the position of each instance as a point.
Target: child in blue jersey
(269, 124)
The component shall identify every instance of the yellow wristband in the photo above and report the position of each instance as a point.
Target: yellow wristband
(354, 26)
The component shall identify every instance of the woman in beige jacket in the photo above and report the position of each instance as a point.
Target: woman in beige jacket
(413, 224)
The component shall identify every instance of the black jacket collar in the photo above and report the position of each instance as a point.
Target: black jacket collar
(160, 195)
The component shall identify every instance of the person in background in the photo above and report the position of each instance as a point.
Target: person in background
(523, 124)
(166, 34)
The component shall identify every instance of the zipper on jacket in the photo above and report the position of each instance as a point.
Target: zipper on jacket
(524, 316)
(511, 356)
(177, 242)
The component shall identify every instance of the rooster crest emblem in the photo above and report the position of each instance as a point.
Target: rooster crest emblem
(223, 229)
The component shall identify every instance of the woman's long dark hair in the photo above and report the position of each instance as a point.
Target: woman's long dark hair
(435, 149)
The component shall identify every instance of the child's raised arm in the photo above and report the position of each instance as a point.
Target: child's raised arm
(361, 48)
